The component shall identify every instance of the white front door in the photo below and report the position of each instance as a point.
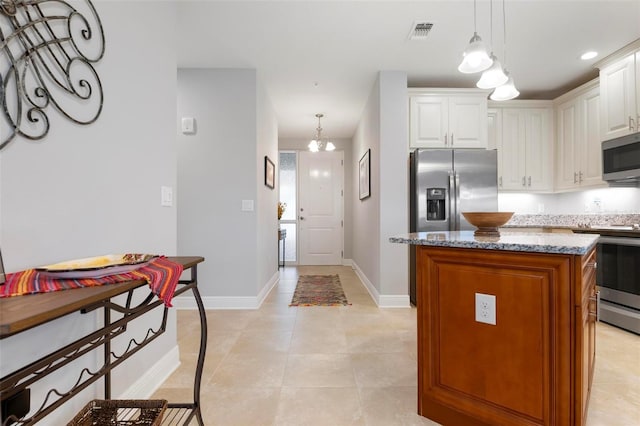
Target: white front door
(320, 210)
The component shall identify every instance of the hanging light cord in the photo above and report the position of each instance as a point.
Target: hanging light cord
(491, 21)
(475, 17)
(504, 44)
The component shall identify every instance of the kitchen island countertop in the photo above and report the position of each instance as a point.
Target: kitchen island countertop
(539, 242)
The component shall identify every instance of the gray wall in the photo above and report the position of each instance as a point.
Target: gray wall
(394, 183)
(218, 167)
(291, 144)
(93, 190)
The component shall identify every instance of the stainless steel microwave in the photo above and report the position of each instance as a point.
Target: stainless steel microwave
(621, 159)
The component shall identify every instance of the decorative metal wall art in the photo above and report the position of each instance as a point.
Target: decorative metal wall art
(47, 52)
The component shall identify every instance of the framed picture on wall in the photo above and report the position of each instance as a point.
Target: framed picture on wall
(269, 173)
(364, 174)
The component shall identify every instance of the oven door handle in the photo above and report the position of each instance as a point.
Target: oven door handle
(620, 241)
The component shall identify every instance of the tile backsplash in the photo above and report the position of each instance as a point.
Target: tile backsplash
(594, 202)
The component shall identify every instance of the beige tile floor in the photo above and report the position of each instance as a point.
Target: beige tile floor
(352, 365)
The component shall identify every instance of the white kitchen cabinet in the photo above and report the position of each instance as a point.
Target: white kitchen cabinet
(525, 142)
(578, 146)
(444, 118)
(620, 92)
(637, 91)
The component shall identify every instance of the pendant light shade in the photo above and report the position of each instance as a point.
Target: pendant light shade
(493, 77)
(475, 57)
(506, 91)
(318, 143)
(313, 146)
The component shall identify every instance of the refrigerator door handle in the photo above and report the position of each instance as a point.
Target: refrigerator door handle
(452, 213)
(457, 228)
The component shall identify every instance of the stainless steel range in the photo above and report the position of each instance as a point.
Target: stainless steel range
(618, 275)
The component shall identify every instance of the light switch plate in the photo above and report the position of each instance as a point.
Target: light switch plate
(247, 205)
(166, 196)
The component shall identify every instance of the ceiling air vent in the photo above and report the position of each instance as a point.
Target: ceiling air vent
(420, 30)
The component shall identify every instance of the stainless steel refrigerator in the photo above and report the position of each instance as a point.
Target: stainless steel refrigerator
(443, 184)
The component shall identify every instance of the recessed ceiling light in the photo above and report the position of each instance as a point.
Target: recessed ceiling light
(588, 55)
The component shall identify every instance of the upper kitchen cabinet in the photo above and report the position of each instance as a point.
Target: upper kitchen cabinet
(578, 146)
(620, 92)
(446, 118)
(524, 141)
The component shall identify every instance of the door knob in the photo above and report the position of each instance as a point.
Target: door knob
(301, 218)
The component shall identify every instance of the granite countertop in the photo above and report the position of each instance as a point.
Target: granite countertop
(513, 241)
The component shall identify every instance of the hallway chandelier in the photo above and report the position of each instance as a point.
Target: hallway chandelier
(318, 144)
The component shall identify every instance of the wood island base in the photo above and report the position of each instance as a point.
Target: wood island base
(534, 366)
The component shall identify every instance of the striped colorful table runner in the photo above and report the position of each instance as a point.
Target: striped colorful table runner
(161, 274)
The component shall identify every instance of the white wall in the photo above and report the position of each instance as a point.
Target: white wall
(91, 190)
(366, 213)
(218, 167)
(267, 208)
(601, 200)
(383, 128)
(292, 144)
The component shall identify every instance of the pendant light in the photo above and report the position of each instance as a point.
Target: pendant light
(494, 76)
(508, 90)
(317, 144)
(475, 57)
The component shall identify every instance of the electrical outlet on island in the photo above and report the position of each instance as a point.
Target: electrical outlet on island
(486, 308)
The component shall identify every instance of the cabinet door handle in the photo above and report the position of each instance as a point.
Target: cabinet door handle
(451, 139)
(445, 139)
(524, 181)
(580, 177)
(529, 180)
(575, 177)
(500, 180)
(595, 298)
(632, 124)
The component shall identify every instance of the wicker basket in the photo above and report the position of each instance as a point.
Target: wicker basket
(124, 412)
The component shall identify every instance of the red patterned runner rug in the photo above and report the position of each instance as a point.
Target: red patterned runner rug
(319, 290)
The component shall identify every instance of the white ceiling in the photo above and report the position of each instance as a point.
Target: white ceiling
(323, 56)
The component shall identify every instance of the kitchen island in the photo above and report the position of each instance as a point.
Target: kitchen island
(506, 327)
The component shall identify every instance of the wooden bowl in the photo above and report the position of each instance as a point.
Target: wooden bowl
(487, 222)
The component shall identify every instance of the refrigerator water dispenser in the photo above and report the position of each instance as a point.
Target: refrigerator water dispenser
(436, 198)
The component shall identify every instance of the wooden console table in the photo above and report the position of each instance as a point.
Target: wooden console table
(22, 313)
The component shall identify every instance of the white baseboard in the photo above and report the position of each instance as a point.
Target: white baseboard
(394, 301)
(267, 288)
(347, 262)
(373, 292)
(154, 377)
(382, 300)
(228, 302)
